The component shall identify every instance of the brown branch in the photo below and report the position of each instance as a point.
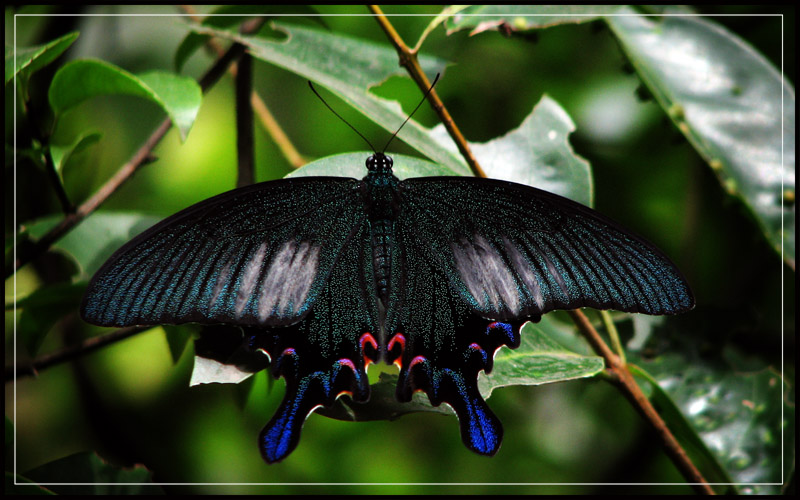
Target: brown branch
(623, 379)
(72, 352)
(408, 59)
(138, 160)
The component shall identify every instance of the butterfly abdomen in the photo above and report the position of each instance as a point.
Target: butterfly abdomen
(382, 256)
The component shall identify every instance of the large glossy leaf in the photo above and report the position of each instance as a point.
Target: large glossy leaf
(731, 104)
(77, 81)
(537, 153)
(538, 360)
(348, 67)
(480, 18)
(738, 409)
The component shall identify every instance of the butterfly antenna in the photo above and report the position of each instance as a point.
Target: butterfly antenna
(340, 116)
(412, 113)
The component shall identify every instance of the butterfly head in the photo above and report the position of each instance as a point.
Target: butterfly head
(379, 163)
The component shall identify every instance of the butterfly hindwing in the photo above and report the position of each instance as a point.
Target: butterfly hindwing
(440, 343)
(514, 251)
(257, 255)
(327, 353)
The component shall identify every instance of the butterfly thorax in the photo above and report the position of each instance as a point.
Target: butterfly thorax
(381, 205)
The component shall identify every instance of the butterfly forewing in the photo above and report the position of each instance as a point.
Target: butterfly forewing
(514, 251)
(253, 256)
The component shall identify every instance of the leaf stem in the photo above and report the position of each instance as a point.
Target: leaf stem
(613, 334)
(408, 59)
(623, 379)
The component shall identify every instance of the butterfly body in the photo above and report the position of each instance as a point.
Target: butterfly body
(329, 274)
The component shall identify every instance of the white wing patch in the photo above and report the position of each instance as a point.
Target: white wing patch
(525, 272)
(288, 279)
(249, 279)
(486, 275)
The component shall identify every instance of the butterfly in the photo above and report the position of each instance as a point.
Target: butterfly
(329, 274)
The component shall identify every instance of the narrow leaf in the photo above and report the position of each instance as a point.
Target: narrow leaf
(31, 59)
(511, 18)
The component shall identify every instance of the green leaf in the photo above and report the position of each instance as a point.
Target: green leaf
(683, 431)
(180, 97)
(177, 338)
(93, 476)
(538, 360)
(43, 308)
(31, 59)
(62, 154)
(20, 485)
(93, 241)
(354, 165)
(481, 18)
(348, 67)
(728, 415)
(222, 17)
(537, 154)
(732, 105)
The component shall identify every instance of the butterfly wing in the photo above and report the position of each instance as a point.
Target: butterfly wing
(516, 251)
(288, 260)
(466, 284)
(257, 255)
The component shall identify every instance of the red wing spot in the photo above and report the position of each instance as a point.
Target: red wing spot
(367, 339)
(346, 362)
(397, 339)
(417, 360)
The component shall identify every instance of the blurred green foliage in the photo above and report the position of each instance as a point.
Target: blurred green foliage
(131, 402)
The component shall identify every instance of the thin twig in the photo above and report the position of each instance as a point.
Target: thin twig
(72, 352)
(623, 379)
(408, 59)
(245, 162)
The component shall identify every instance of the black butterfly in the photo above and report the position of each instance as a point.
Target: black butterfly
(329, 274)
